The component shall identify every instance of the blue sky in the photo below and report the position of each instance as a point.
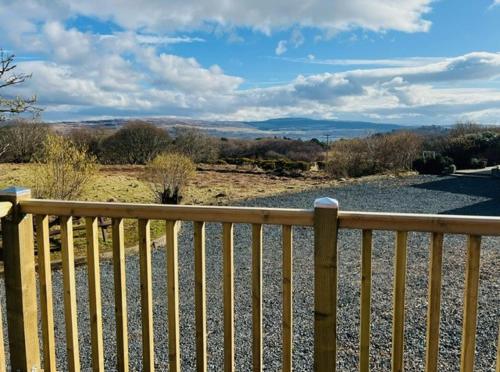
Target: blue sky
(401, 61)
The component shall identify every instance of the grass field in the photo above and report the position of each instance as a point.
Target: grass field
(212, 185)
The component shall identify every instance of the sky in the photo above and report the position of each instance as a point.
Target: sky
(415, 62)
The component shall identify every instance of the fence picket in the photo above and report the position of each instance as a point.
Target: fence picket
(365, 301)
(200, 296)
(120, 294)
(173, 296)
(434, 302)
(227, 232)
(287, 297)
(70, 312)
(148, 362)
(257, 296)
(46, 305)
(470, 304)
(399, 301)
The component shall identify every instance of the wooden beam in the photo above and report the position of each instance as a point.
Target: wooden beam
(173, 297)
(365, 301)
(46, 306)
(398, 318)
(257, 297)
(434, 303)
(228, 297)
(470, 304)
(200, 296)
(287, 326)
(94, 293)
(148, 359)
(325, 285)
(120, 295)
(70, 311)
(20, 283)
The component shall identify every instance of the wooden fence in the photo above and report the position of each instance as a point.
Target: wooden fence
(17, 211)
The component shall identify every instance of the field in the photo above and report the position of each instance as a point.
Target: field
(213, 185)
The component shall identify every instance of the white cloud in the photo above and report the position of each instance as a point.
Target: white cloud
(281, 47)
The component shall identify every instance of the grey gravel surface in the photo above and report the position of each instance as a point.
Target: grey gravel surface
(423, 194)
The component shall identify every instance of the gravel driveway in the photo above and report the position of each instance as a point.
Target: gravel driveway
(425, 194)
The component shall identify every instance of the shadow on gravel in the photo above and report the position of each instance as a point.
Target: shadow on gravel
(472, 186)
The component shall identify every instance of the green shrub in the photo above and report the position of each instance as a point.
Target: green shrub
(436, 165)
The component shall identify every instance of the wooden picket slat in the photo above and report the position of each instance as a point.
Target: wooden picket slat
(399, 301)
(434, 302)
(227, 232)
(120, 295)
(70, 312)
(365, 301)
(46, 305)
(200, 296)
(257, 296)
(173, 296)
(3, 365)
(470, 304)
(94, 278)
(287, 326)
(148, 362)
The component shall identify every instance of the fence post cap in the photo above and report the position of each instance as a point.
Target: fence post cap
(15, 191)
(326, 203)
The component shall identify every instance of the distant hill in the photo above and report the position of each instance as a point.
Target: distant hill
(303, 128)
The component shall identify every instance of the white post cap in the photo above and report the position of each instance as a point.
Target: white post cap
(326, 203)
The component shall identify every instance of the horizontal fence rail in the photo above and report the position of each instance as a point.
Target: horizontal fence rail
(326, 220)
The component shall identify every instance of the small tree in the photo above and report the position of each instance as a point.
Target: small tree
(21, 139)
(8, 78)
(62, 170)
(197, 145)
(168, 175)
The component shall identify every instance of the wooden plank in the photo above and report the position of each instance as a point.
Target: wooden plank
(46, 305)
(399, 301)
(70, 312)
(120, 295)
(173, 297)
(20, 283)
(434, 303)
(5, 208)
(227, 233)
(148, 360)
(200, 296)
(3, 365)
(365, 301)
(325, 289)
(287, 326)
(94, 279)
(479, 225)
(257, 296)
(450, 224)
(470, 304)
(276, 216)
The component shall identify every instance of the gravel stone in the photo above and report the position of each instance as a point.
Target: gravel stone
(420, 194)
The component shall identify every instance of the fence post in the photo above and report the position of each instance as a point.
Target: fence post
(20, 283)
(325, 284)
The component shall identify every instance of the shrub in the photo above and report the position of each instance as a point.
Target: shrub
(20, 140)
(62, 170)
(435, 165)
(168, 175)
(136, 143)
(195, 144)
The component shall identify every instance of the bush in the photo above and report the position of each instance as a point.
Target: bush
(433, 165)
(20, 140)
(168, 175)
(62, 170)
(136, 143)
(195, 144)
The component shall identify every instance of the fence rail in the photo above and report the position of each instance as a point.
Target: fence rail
(17, 210)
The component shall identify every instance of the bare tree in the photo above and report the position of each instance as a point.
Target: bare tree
(9, 78)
